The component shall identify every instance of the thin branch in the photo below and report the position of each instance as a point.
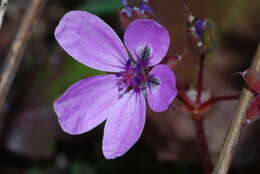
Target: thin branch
(16, 52)
(246, 97)
(3, 6)
(184, 98)
(218, 99)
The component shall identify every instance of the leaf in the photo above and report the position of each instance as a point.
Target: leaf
(101, 7)
(73, 71)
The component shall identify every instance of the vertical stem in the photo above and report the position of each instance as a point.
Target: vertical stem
(246, 97)
(199, 122)
(15, 54)
(203, 145)
(3, 6)
(200, 78)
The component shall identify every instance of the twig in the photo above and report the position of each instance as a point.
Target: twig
(15, 54)
(3, 6)
(223, 163)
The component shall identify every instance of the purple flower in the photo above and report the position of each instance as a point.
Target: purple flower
(118, 98)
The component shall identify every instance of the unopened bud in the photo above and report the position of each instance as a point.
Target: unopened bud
(252, 78)
(172, 61)
(202, 34)
(133, 10)
(253, 111)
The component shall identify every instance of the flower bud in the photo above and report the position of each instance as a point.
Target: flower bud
(253, 111)
(133, 10)
(252, 78)
(172, 61)
(202, 34)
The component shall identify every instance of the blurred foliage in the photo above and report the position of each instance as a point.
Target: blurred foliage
(101, 7)
(73, 71)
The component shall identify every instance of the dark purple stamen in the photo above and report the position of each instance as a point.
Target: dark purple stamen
(134, 77)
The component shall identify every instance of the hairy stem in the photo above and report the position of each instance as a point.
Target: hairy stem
(203, 145)
(3, 6)
(15, 54)
(246, 97)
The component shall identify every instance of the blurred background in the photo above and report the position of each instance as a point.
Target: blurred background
(31, 141)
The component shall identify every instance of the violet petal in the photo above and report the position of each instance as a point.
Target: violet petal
(87, 103)
(125, 125)
(144, 33)
(91, 41)
(161, 96)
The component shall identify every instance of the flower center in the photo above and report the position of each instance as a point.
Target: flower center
(136, 76)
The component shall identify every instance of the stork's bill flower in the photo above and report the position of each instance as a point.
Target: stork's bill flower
(119, 98)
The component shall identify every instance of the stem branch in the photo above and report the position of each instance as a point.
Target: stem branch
(184, 98)
(218, 99)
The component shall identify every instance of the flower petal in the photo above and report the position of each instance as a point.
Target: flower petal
(87, 103)
(125, 125)
(91, 41)
(161, 96)
(147, 35)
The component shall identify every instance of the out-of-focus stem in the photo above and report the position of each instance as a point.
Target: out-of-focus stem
(186, 101)
(217, 99)
(3, 7)
(223, 163)
(15, 54)
(203, 145)
(200, 78)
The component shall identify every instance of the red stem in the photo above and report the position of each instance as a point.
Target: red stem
(200, 78)
(184, 98)
(203, 145)
(217, 99)
(198, 121)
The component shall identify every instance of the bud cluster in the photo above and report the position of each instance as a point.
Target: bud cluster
(135, 9)
(202, 34)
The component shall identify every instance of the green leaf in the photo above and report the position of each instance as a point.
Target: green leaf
(72, 72)
(101, 7)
